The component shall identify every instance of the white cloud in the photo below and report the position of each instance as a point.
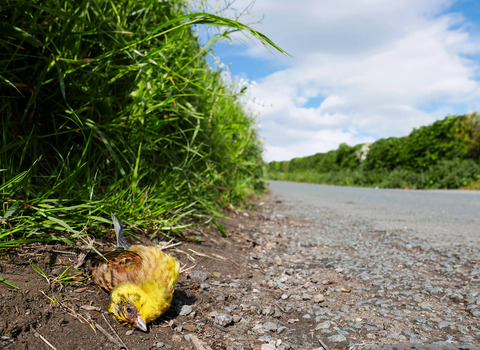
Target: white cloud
(377, 64)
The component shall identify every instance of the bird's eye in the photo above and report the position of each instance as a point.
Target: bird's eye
(129, 310)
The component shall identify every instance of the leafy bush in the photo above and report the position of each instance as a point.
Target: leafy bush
(442, 155)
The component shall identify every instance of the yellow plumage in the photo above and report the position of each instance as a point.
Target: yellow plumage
(141, 281)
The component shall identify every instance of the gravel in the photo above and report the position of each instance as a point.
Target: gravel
(317, 276)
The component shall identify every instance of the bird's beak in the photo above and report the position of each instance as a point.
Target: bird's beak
(140, 324)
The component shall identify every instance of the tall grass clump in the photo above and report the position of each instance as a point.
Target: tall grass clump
(111, 106)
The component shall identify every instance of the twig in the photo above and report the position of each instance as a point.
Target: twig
(197, 343)
(188, 255)
(63, 252)
(72, 312)
(323, 344)
(45, 340)
(81, 258)
(199, 254)
(223, 258)
(112, 339)
(183, 270)
(113, 330)
(287, 312)
(168, 245)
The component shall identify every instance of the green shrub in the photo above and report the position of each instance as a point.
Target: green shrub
(442, 155)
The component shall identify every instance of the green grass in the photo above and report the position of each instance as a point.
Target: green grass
(111, 106)
(446, 174)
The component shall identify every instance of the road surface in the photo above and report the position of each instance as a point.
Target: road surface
(447, 216)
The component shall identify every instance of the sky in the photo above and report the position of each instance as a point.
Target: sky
(360, 70)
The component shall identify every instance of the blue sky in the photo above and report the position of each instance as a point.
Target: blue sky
(361, 69)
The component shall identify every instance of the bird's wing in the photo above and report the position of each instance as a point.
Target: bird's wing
(121, 266)
(121, 242)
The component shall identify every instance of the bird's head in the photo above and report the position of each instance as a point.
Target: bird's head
(127, 304)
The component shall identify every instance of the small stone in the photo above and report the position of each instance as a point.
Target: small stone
(281, 329)
(278, 313)
(337, 338)
(293, 320)
(184, 310)
(159, 344)
(201, 276)
(188, 337)
(306, 296)
(295, 297)
(129, 332)
(323, 325)
(306, 316)
(221, 298)
(284, 296)
(270, 326)
(456, 297)
(204, 286)
(416, 341)
(393, 335)
(223, 320)
(265, 338)
(443, 324)
(475, 313)
(319, 298)
(176, 338)
(268, 311)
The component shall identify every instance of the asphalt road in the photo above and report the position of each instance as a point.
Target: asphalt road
(448, 217)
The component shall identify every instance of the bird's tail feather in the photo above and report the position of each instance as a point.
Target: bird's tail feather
(121, 242)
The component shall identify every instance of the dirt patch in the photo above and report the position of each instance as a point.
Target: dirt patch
(65, 314)
(281, 281)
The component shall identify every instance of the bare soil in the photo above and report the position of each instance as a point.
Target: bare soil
(269, 286)
(64, 315)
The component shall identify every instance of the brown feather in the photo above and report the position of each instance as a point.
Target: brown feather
(121, 266)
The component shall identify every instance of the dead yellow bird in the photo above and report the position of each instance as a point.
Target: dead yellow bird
(140, 279)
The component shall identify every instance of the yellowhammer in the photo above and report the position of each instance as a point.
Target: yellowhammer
(140, 279)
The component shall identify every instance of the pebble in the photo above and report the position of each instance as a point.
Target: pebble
(384, 287)
(204, 286)
(184, 310)
(318, 298)
(337, 338)
(223, 320)
(201, 276)
(270, 326)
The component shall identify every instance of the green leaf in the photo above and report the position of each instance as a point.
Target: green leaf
(3, 280)
(9, 30)
(221, 228)
(10, 212)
